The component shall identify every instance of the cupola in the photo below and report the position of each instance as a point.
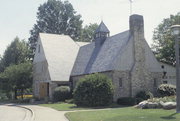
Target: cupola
(101, 33)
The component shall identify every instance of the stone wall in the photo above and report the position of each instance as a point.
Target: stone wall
(115, 76)
(40, 75)
(157, 80)
(52, 86)
(121, 81)
(123, 85)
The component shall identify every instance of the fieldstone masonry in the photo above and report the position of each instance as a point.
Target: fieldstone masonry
(140, 76)
(128, 82)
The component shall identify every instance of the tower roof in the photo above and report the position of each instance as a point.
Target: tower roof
(102, 28)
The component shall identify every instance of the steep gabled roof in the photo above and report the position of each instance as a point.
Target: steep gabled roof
(116, 53)
(60, 52)
(86, 62)
(102, 28)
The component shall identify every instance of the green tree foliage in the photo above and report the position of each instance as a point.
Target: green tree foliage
(1, 64)
(56, 17)
(87, 34)
(94, 90)
(163, 45)
(17, 52)
(15, 68)
(17, 77)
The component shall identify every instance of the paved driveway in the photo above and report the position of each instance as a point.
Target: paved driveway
(11, 113)
(30, 113)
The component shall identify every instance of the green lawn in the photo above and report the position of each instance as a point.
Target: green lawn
(62, 106)
(125, 114)
(70, 107)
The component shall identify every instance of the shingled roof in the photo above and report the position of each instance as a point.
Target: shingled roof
(116, 53)
(107, 54)
(60, 51)
(102, 28)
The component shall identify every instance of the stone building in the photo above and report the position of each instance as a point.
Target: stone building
(125, 57)
(169, 74)
(53, 62)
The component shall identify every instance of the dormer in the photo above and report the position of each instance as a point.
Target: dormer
(101, 33)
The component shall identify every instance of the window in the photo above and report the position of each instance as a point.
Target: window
(165, 82)
(39, 49)
(164, 75)
(155, 82)
(120, 82)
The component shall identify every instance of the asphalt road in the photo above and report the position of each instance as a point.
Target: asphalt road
(12, 113)
(30, 113)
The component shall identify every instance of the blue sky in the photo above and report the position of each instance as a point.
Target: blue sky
(18, 16)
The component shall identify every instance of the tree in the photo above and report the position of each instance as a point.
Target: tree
(163, 45)
(1, 64)
(17, 77)
(17, 52)
(87, 34)
(56, 17)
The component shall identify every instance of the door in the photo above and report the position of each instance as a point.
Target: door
(44, 90)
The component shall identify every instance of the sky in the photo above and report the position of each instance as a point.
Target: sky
(17, 17)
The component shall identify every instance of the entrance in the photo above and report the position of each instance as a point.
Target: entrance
(43, 90)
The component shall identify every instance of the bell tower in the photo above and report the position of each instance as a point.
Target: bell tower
(101, 33)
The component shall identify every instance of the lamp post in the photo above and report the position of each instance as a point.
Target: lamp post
(176, 34)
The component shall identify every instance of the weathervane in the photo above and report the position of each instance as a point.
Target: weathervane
(131, 6)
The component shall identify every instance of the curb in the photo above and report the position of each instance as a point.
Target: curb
(21, 106)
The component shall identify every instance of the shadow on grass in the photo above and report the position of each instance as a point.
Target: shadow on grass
(101, 107)
(170, 116)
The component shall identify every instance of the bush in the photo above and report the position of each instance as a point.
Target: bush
(138, 100)
(93, 90)
(163, 99)
(126, 101)
(69, 101)
(3, 96)
(61, 93)
(143, 95)
(166, 90)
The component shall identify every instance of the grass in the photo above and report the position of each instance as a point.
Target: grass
(63, 106)
(70, 107)
(124, 114)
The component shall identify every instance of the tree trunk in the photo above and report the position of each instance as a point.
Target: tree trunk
(22, 93)
(15, 94)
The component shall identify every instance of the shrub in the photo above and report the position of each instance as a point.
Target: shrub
(61, 93)
(143, 95)
(163, 99)
(126, 101)
(138, 100)
(93, 90)
(166, 90)
(70, 101)
(3, 96)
